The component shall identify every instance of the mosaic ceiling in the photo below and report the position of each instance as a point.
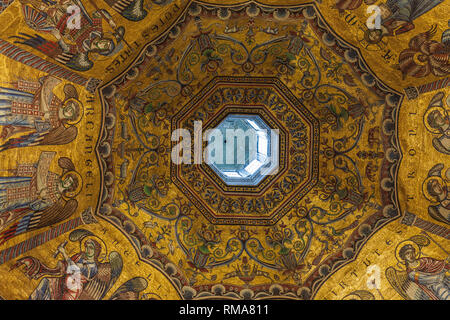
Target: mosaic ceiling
(96, 98)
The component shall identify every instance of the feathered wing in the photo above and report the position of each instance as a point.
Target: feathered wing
(419, 8)
(436, 101)
(130, 290)
(66, 164)
(57, 136)
(59, 51)
(433, 211)
(107, 275)
(11, 216)
(33, 220)
(70, 92)
(439, 58)
(132, 10)
(22, 141)
(419, 39)
(406, 288)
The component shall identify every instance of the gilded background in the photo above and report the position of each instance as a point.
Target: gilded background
(358, 210)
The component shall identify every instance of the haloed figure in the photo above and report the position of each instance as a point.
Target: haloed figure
(72, 46)
(440, 124)
(436, 190)
(397, 17)
(32, 110)
(35, 197)
(86, 275)
(430, 274)
(67, 280)
(439, 191)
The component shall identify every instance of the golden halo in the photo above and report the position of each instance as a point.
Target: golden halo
(72, 194)
(425, 116)
(425, 190)
(417, 61)
(104, 250)
(404, 243)
(81, 109)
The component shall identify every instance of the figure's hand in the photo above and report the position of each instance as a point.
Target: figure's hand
(56, 33)
(64, 46)
(60, 266)
(62, 250)
(43, 193)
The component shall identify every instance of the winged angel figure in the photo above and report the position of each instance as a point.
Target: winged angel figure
(73, 47)
(34, 197)
(32, 114)
(87, 275)
(420, 278)
(437, 121)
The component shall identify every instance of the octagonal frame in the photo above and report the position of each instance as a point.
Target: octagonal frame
(313, 166)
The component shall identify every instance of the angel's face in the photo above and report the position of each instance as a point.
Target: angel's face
(68, 111)
(438, 119)
(101, 44)
(410, 255)
(437, 188)
(65, 184)
(89, 250)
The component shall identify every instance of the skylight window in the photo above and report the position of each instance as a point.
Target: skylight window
(260, 154)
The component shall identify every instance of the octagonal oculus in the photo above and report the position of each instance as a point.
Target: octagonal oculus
(242, 150)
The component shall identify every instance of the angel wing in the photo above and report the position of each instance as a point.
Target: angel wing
(419, 39)
(406, 288)
(59, 51)
(34, 220)
(70, 92)
(436, 101)
(10, 216)
(421, 8)
(107, 275)
(66, 164)
(60, 135)
(130, 290)
(57, 136)
(132, 10)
